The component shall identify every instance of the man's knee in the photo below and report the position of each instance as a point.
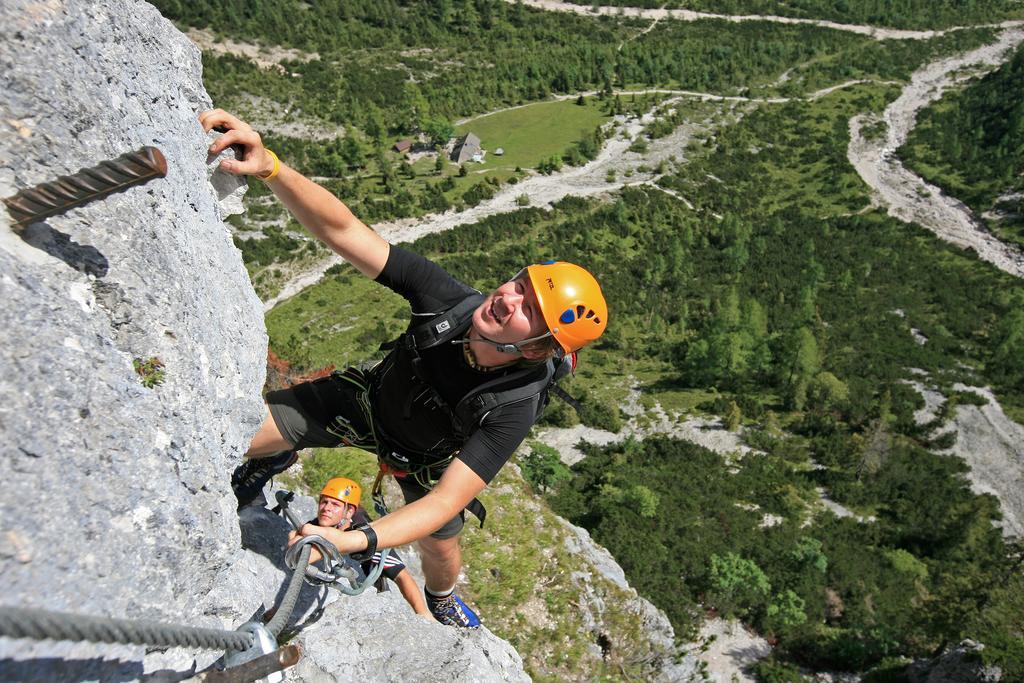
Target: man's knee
(439, 548)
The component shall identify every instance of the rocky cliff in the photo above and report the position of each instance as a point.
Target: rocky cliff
(115, 496)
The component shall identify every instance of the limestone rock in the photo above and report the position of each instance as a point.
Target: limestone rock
(116, 499)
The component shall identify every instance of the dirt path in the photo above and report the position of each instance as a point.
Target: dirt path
(905, 195)
(583, 181)
(878, 33)
(614, 168)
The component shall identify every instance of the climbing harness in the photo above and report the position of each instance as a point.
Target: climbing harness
(530, 382)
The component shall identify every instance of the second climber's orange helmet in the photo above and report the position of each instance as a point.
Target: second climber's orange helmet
(571, 301)
(343, 489)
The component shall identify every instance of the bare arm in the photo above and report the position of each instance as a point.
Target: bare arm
(412, 593)
(320, 212)
(314, 554)
(420, 518)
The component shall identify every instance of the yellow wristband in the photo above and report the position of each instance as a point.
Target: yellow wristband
(277, 168)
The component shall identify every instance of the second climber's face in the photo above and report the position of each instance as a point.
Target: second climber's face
(333, 512)
(511, 313)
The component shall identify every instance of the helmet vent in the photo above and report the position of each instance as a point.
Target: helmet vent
(581, 312)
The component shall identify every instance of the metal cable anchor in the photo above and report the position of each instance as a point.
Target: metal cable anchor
(239, 665)
(33, 204)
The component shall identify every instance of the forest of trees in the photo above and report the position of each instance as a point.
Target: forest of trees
(836, 593)
(460, 58)
(790, 316)
(398, 66)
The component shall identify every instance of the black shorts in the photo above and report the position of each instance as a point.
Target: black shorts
(327, 413)
(333, 412)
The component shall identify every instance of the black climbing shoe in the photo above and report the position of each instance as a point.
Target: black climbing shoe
(249, 478)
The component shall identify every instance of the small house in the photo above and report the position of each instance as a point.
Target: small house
(466, 148)
(403, 146)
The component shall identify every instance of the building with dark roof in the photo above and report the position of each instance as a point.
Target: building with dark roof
(466, 147)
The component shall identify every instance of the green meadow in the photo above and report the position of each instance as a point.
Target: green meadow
(532, 133)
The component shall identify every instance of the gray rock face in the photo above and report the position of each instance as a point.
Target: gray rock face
(116, 499)
(115, 496)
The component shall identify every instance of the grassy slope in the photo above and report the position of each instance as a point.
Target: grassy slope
(522, 581)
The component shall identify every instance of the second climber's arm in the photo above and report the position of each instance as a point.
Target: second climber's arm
(457, 487)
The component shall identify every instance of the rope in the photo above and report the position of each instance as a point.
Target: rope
(291, 595)
(20, 622)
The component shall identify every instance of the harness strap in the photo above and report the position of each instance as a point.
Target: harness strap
(486, 397)
(565, 396)
(475, 507)
(443, 326)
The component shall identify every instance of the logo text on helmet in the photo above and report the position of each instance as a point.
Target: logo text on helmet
(551, 284)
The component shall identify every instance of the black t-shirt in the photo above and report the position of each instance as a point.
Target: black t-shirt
(411, 418)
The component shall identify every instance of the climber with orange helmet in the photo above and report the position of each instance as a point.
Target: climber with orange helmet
(338, 508)
(452, 399)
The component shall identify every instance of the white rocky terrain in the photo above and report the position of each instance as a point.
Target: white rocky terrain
(905, 195)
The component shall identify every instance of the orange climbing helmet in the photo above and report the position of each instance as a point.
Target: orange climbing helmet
(571, 302)
(343, 489)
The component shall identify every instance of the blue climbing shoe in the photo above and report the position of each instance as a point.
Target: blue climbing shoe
(249, 478)
(452, 611)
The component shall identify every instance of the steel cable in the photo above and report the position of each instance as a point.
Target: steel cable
(40, 624)
(291, 595)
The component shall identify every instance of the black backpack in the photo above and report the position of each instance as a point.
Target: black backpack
(529, 383)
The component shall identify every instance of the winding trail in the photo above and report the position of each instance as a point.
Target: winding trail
(876, 32)
(703, 96)
(905, 195)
